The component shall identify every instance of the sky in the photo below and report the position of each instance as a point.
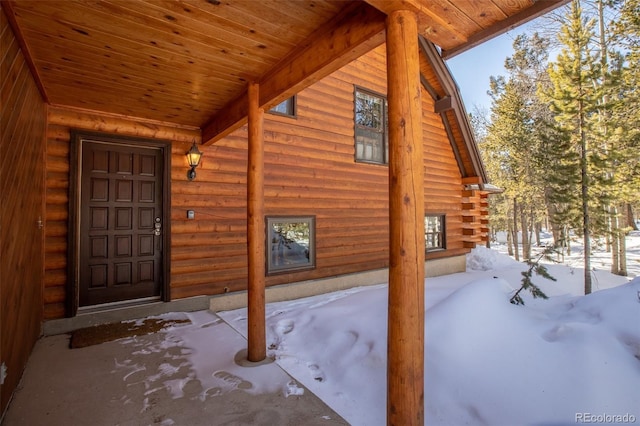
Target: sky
(472, 69)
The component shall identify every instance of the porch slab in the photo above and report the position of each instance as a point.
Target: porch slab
(194, 374)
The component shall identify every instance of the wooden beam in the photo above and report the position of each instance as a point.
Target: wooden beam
(120, 124)
(257, 343)
(430, 20)
(444, 104)
(430, 90)
(537, 9)
(356, 32)
(453, 144)
(460, 114)
(471, 180)
(8, 8)
(405, 339)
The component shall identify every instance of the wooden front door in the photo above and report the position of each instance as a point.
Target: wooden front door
(121, 223)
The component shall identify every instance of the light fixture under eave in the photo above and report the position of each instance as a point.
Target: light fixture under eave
(193, 158)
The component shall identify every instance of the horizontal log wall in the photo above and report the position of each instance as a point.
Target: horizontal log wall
(22, 124)
(61, 122)
(309, 170)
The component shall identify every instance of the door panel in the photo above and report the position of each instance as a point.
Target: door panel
(120, 223)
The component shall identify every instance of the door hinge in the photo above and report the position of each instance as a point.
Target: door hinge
(3, 373)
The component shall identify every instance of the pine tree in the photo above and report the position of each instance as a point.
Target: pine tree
(574, 100)
(626, 113)
(512, 145)
(562, 183)
(527, 282)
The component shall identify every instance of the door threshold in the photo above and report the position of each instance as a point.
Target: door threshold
(117, 305)
(132, 310)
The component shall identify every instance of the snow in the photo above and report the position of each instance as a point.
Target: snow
(565, 360)
(203, 349)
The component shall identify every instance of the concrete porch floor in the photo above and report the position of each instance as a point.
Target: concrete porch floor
(191, 375)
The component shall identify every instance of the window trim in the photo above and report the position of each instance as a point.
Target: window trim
(443, 218)
(272, 269)
(294, 108)
(385, 126)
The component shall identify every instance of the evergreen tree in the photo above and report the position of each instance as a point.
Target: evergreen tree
(626, 112)
(566, 136)
(562, 184)
(512, 145)
(527, 282)
(574, 100)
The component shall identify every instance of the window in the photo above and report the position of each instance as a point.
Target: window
(372, 144)
(434, 232)
(286, 107)
(291, 244)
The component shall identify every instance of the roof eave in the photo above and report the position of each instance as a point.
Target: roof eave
(457, 105)
(539, 8)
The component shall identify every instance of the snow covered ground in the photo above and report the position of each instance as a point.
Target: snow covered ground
(565, 360)
(570, 359)
(600, 259)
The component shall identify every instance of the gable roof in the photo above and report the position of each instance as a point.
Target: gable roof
(439, 83)
(188, 63)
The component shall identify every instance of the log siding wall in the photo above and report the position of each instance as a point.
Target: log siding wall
(309, 170)
(22, 124)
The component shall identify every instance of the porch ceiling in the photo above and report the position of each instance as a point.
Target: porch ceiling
(188, 62)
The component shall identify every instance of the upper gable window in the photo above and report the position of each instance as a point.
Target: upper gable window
(286, 107)
(372, 143)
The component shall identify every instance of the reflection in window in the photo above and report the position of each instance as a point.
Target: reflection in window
(286, 107)
(371, 127)
(434, 234)
(290, 244)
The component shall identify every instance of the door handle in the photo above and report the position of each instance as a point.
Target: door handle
(157, 226)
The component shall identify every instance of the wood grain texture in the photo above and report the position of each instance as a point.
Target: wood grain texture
(256, 245)
(162, 60)
(309, 170)
(188, 62)
(353, 32)
(23, 124)
(405, 332)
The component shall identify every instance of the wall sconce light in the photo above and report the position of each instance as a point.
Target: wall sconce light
(193, 158)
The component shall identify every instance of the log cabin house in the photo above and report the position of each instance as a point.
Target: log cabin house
(335, 152)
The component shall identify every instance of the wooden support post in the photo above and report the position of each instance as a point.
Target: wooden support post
(257, 341)
(405, 363)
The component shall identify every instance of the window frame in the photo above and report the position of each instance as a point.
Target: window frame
(271, 268)
(294, 108)
(385, 126)
(442, 233)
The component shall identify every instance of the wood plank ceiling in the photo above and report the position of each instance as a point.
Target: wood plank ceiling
(185, 62)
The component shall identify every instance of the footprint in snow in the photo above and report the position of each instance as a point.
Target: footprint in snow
(557, 333)
(316, 373)
(632, 343)
(285, 326)
(232, 380)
